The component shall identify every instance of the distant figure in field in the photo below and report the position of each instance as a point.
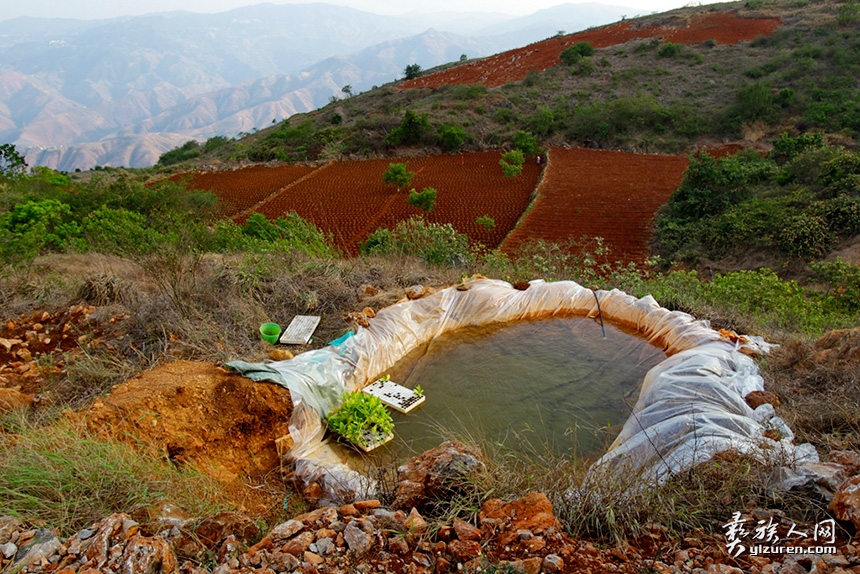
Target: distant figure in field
(462, 160)
(538, 159)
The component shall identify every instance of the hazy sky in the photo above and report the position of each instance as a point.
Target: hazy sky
(89, 9)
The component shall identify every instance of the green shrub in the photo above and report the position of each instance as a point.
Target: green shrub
(470, 92)
(711, 185)
(526, 143)
(506, 116)
(398, 175)
(413, 129)
(436, 243)
(453, 137)
(805, 236)
(512, 163)
(119, 231)
(12, 163)
(841, 213)
(807, 165)
(843, 284)
(841, 175)
(411, 71)
(752, 102)
(486, 222)
(424, 199)
(289, 231)
(787, 148)
(670, 50)
(188, 150)
(574, 53)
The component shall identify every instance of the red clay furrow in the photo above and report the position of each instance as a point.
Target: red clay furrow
(514, 65)
(240, 189)
(243, 216)
(599, 193)
(349, 199)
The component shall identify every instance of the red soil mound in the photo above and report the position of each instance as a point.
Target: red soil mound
(598, 193)
(349, 200)
(514, 65)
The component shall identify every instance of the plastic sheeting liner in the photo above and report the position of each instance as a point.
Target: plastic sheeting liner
(691, 405)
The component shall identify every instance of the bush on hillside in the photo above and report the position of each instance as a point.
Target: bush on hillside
(436, 243)
(574, 53)
(413, 129)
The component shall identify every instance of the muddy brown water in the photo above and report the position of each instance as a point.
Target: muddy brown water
(554, 384)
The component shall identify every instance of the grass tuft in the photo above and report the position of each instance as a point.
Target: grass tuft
(56, 476)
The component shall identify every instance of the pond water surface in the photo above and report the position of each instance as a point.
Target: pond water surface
(554, 383)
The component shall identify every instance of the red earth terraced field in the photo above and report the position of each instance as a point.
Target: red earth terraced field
(599, 193)
(241, 189)
(349, 200)
(514, 65)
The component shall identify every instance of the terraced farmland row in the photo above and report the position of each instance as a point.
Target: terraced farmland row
(514, 65)
(584, 192)
(600, 193)
(241, 189)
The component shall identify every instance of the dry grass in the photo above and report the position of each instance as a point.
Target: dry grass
(232, 295)
(58, 477)
(819, 396)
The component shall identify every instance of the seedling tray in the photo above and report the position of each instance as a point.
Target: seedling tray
(396, 396)
(374, 442)
(300, 330)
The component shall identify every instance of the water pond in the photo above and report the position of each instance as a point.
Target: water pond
(554, 383)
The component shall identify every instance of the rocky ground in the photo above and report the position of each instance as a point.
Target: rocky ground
(193, 399)
(365, 536)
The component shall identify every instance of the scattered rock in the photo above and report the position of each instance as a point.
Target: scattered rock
(466, 531)
(757, 398)
(435, 473)
(533, 512)
(838, 345)
(43, 545)
(846, 503)
(849, 460)
(356, 539)
(280, 355)
(418, 292)
(464, 550)
(11, 400)
(552, 563)
(148, 554)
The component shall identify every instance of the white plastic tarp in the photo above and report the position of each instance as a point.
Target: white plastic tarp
(691, 405)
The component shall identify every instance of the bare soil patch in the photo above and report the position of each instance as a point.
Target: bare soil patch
(600, 193)
(514, 65)
(198, 413)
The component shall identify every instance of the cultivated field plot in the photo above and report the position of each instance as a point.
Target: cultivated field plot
(514, 65)
(349, 200)
(600, 193)
(241, 189)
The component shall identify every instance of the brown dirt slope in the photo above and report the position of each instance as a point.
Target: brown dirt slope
(600, 193)
(514, 65)
(198, 413)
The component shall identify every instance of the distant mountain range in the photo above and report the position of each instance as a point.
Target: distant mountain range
(76, 94)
